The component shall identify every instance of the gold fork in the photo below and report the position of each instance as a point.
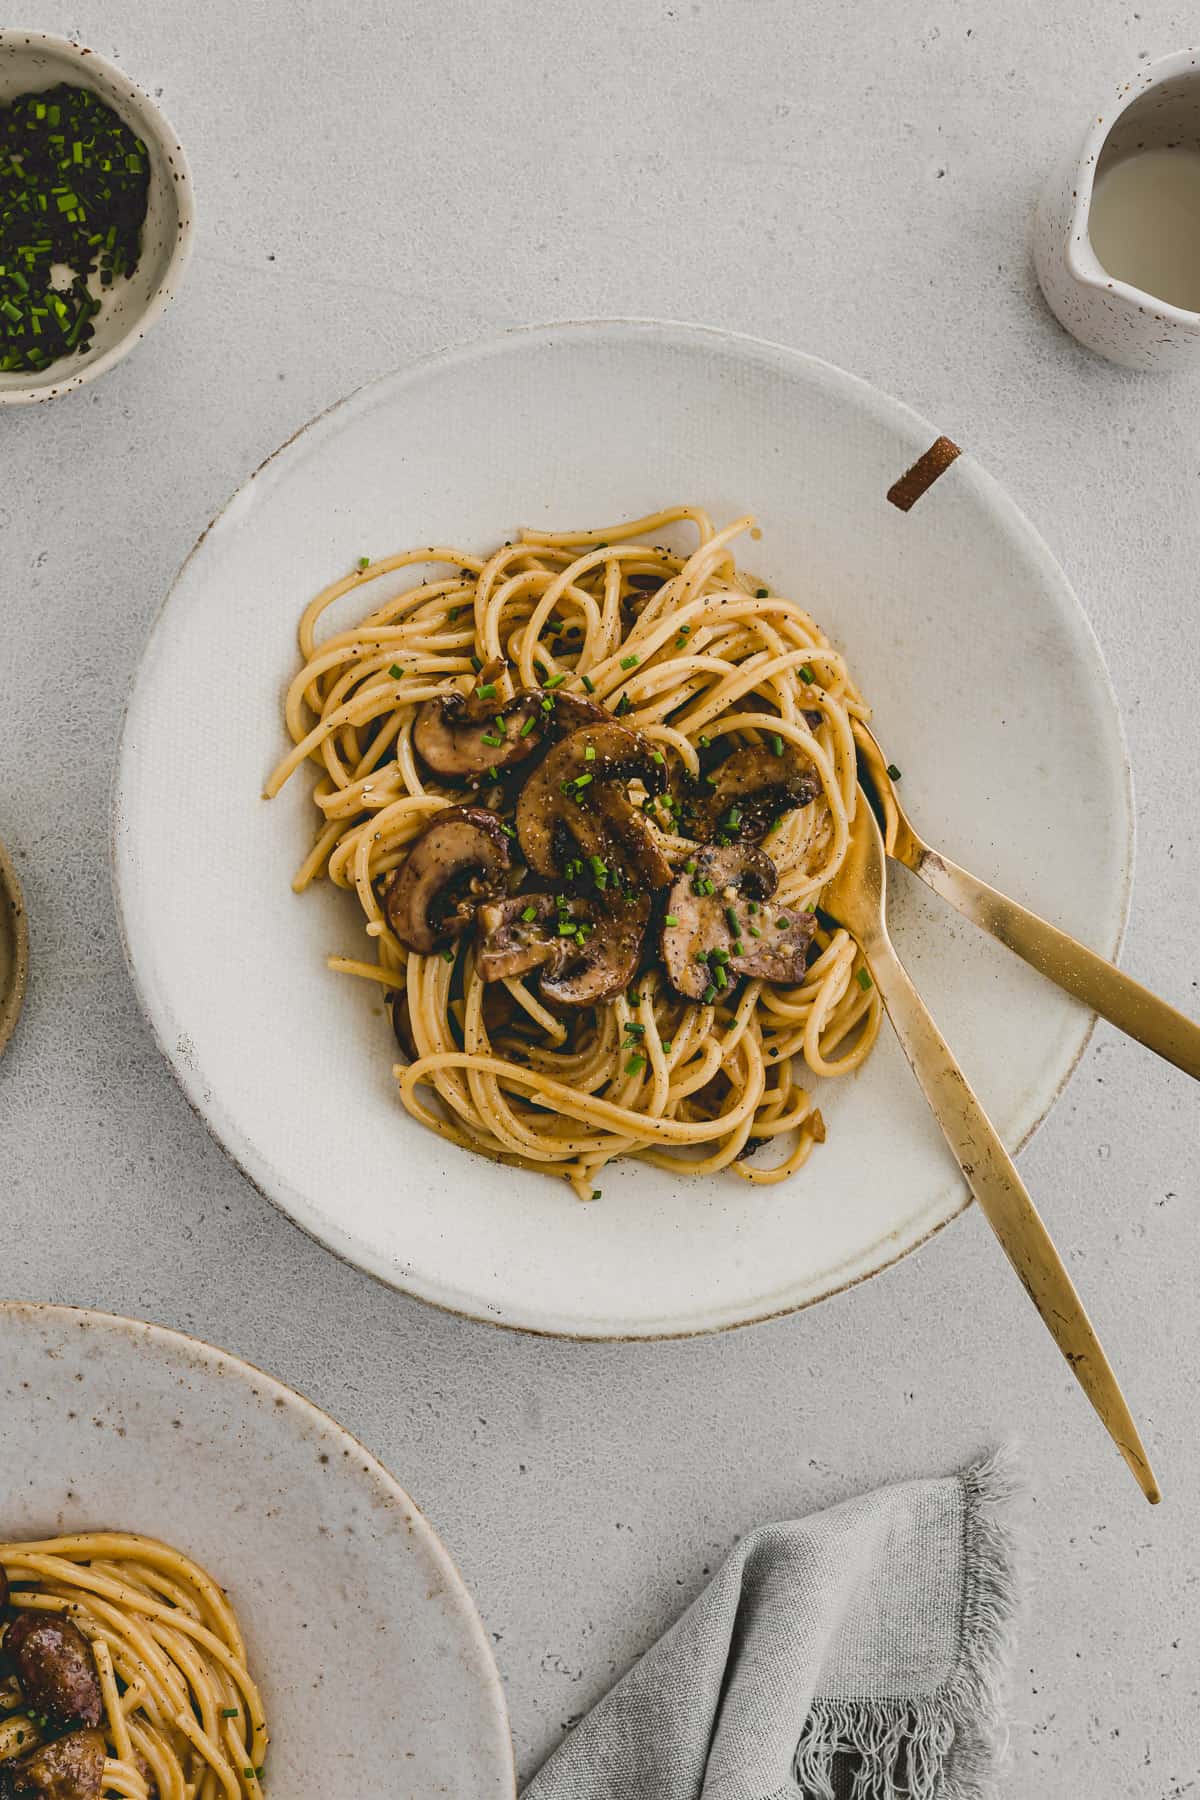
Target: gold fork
(856, 898)
(1124, 1002)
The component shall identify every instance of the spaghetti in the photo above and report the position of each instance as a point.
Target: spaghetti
(156, 1703)
(573, 640)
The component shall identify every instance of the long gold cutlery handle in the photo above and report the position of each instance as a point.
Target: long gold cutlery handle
(1006, 1205)
(1124, 1002)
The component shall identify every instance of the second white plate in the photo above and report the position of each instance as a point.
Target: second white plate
(962, 630)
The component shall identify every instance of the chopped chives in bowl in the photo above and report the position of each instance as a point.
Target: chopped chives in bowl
(74, 184)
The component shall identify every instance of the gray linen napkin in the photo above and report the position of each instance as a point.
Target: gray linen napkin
(859, 1653)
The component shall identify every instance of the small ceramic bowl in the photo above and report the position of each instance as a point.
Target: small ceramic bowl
(14, 949)
(33, 60)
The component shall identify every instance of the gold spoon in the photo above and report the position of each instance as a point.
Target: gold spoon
(1124, 1002)
(856, 898)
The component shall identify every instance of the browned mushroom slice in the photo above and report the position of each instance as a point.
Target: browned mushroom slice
(749, 791)
(56, 1669)
(460, 858)
(619, 833)
(709, 938)
(72, 1768)
(462, 736)
(578, 968)
(565, 797)
(606, 961)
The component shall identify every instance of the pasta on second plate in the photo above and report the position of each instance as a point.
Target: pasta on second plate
(588, 790)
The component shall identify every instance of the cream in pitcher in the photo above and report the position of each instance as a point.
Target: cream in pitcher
(1117, 235)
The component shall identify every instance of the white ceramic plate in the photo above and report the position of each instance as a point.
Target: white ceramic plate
(375, 1671)
(990, 694)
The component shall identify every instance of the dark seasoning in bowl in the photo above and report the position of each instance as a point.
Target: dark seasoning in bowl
(74, 184)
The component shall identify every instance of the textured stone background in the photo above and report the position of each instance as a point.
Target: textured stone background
(377, 180)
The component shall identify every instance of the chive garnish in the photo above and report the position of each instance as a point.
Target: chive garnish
(491, 740)
(893, 772)
(762, 593)
(705, 742)
(864, 980)
(554, 681)
(689, 867)
(720, 977)
(624, 705)
(589, 754)
(396, 672)
(590, 687)
(777, 743)
(364, 562)
(448, 956)
(629, 662)
(486, 690)
(529, 914)
(595, 1193)
(671, 919)
(527, 727)
(635, 1065)
(229, 1712)
(710, 994)
(808, 674)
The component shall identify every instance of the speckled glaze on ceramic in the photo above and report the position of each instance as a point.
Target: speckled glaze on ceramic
(375, 1671)
(991, 696)
(14, 949)
(1157, 108)
(31, 60)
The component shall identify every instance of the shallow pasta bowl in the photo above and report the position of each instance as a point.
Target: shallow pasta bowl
(959, 626)
(364, 1642)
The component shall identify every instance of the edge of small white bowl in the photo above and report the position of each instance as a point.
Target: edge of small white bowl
(153, 125)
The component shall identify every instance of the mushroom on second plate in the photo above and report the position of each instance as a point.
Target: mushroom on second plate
(573, 796)
(56, 1669)
(71, 1768)
(587, 949)
(460, 858)
(746, 793)
(719, 925)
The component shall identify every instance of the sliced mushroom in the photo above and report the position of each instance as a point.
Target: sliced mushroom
(56, 1669)
(72, 1768)
(461, 736)
(749, 791)
(460, 858)
(464, 736)
(524, 933)
(571, 796)
(709, 938)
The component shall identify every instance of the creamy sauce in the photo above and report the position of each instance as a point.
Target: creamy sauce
(1145, 224)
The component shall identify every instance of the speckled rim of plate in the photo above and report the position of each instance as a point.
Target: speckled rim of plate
(14, 949)
(156, 128)
(226, 1364)
(480, 347)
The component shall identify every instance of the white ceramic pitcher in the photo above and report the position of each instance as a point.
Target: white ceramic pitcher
(1159, 108)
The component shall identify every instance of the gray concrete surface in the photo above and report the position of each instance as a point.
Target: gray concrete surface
(377, 180)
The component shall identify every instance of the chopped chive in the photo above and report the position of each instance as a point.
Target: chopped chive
(782, 922)
(710, 994)
(738, 947)
(893, 772)
(671, 919)
(364, 562)
(590, 687)
(689, 867)
(491, 740)
(396, 672)
(527, 727)
(719, 955)
(448, 956)
(501, 727)
(705, 742)
(720, 977)
(635, 1065)
(554, 681)
(476, 664)
(637, 1029)
(589, 754)
(807, 674)
(863, 978)
(762, 593)
(732, 920)
(229, 1712)
(657, 757)
(595, 1193)
(754, 931)
(624, 705)
(666, 1044)
(777, 743)
(633, 999)
(486, 690)
(529, 914)
(629, 662)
